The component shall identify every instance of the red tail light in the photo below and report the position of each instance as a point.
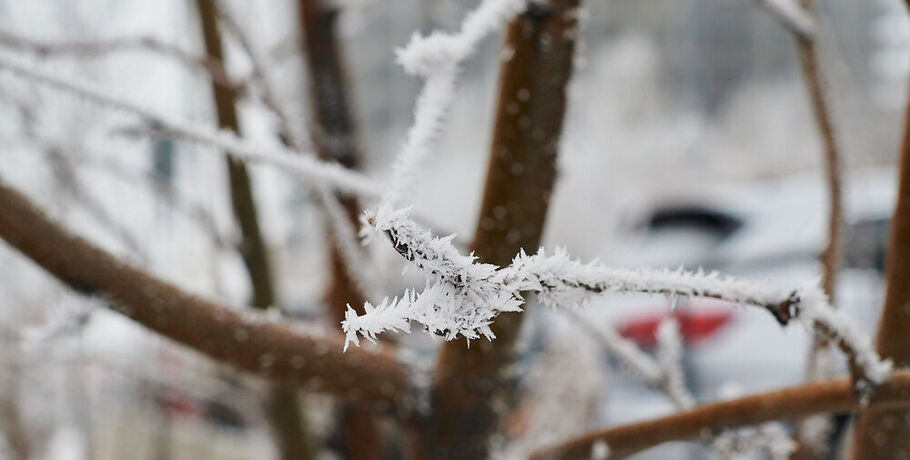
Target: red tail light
(695, 326)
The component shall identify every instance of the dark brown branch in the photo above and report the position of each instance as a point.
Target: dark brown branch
(282, 405)
(469, 382)
(253, 248)
(245, 340)
(828, 396)
(812, 74)
(336, 139)
(887, 434)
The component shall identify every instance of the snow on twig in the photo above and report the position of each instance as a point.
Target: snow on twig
(560, 280)
(464, 296)
(622, 349)
(663, 374)
(305, 165)
(105, 46)
(867, 369)
(669, 355)
(357, 264)
(437, 58)
(461, 299)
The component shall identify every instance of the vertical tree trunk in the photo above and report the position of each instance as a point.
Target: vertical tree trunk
(469, 384)
(335, 136)
(282, 407)
(886, 433)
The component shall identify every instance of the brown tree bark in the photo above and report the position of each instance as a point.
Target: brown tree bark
(282, 406)
(886, 434)
(469, 383)
(245, 340)
(336, 138)
(812, 74)
(828, 396)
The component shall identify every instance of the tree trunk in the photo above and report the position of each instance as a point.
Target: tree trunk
(282, 406)
(335, 137)
(886, 433)
(469, 383)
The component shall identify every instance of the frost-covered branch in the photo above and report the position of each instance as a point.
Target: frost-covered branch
(463, 297)
(304, 165)
(106, 46)
(623, 350)
(663, 374)
(866, 367)
(357, 265)
(669, 356)
(262, 81)
(437, 58)
(563, 281)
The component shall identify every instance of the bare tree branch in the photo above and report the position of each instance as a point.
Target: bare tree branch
(468, 382)
(827, 396)
(248, 340)
(106, 46)
(337, 139)
(281, 406)
(303, 164)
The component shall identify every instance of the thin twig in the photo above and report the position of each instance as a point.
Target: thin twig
(306, 165)
(830, 396)
(105, 46)
(344, 231)
(262, 81)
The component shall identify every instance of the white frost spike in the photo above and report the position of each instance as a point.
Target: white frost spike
(376, 319)
(816, 313)
(428, 55)
(437, 58)
(443, 309)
